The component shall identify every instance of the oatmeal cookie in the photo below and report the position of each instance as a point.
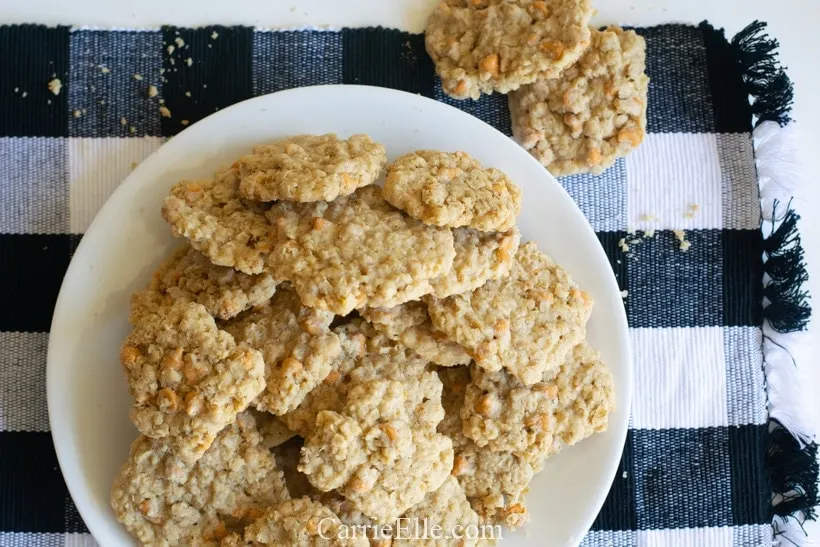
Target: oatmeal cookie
(210, 214)
(356, 251)
(453, 190)
(310, 168)
(525, 323)
(296, 344)
(480, 257)
(410, 325)
(188, 378)
(297, 522)
(163, 501)
(373, 454)
(188, 276)
(593, 114)
(482, 46)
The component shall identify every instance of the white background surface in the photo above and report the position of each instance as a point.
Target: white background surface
(793, 22)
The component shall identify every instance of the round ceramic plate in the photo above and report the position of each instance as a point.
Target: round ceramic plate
(88, 400)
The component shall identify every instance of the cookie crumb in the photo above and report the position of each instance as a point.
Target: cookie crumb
(138, 77)
(189, 61)
(104, 70)
(204, 85)
(132, 129)
(681, 236)
(55, 86)
(187, 93)
(646, 218)
(179, 41)
(123, 122)
(185, 122)
(152, 91)
(77, 113)
(622, 244)
(16, 89)
(625, 474)
(649, 233)
(691, 209)
(214, 35)
(24, 94)
(624, 294)
(164, 111)
(134, 165)
(170, 49)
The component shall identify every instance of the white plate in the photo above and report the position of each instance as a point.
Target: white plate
(88, 399)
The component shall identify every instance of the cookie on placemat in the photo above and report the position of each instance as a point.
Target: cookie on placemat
(481, 46)
(480, 257)
(223, 227)
(188, 276)
(526, 322)
(410, 324)
(296, 344)
(374, 452)
(356, 251)
(593, 114)
(310, 168)
(164, 502)
(452, 189)
(188, 378)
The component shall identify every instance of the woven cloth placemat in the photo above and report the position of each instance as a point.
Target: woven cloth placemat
(702, 459)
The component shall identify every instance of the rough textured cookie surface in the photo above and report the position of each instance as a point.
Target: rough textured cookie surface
(188, 276)
(410, 325)
(299, 523)
(452, 189)
(273, 430)
(481, 46)
(593, 114)
(357, 251)
(310, 168)
(296, 344)
(526, 322)
(480, 257)
(223, 227)
(188, 378)
(374, 454)
(164, 502)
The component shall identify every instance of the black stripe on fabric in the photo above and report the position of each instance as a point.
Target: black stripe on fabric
(32, 492)
(387, 58)
(750, 483)
(742, 277)
(31, 269)
(30, 57)
(670, 287)
(205, 69)
(619, 511)
(732, 113)
(74, 523)
(679, 98)
(617, 259)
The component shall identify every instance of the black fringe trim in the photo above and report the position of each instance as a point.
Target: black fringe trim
(765, 80)
(793, 472)
(788, 309)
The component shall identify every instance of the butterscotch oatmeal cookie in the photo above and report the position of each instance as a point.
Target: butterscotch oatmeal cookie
(299, 523)
(481, 46)
(188, 378)
(593, 114)
(296, 344)
(526, 322)
(480, 257)
(452, 189)
(373, 454)
(585, 397)
(164, 502)
(223, 227)
(356, 251)
(447, 508)
(410, 324)
(502, 414)
(310, 168)
(187, 275)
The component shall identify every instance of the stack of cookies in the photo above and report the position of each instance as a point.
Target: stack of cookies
(577, 96)
(325, 350)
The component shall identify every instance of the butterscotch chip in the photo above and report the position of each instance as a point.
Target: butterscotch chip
(163, 501)
(482, 46)
(188, 378)
(525, 323)
(410, 325)
(310, 168)
(188, 276)
(374, 454)
(217, 223)
(593, 114)
(452, 189)
(366, 253)
(296, 344)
